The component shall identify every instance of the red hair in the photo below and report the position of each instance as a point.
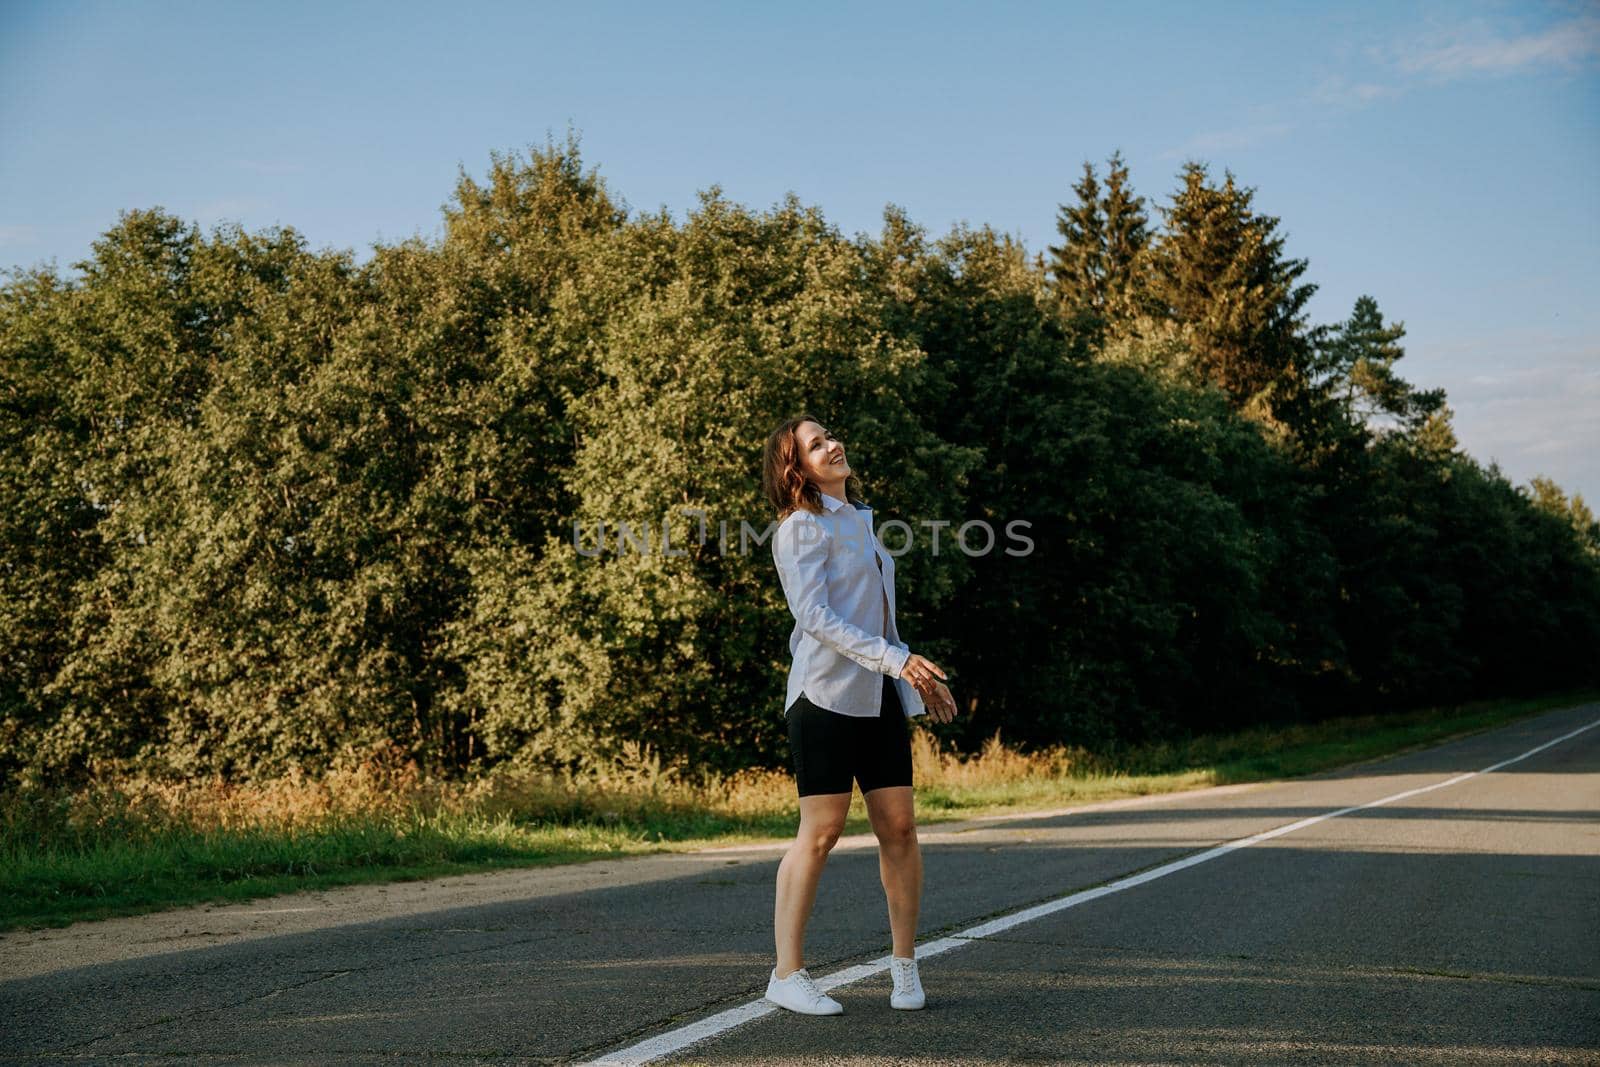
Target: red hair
(783, 476)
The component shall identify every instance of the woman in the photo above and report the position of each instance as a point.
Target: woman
(844, 725)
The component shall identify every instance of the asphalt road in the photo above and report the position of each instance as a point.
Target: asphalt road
(1460, 924)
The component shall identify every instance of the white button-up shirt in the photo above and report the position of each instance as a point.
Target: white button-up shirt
(840, 586)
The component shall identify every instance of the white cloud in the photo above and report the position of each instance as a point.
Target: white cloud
(271, 167)
(1462, 51)
(1342, 93)
(1474, 50)
(1536, 420)
(1232, 139)
(12, 236)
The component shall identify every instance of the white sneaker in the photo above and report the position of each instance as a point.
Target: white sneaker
(907, 985)
(799, 992)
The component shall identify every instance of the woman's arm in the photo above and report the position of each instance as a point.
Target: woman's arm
(801, 550)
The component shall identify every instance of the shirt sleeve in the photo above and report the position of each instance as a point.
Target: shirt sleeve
(801, 550)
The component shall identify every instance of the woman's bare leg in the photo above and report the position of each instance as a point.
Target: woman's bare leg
(894, 821)
(821, 819)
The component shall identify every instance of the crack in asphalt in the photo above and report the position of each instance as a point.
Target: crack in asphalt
(321, 976)
(681, 1015)
(166, 1019)
(1559, 981)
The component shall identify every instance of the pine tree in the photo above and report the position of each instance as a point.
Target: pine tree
(1219, 270)
(1077, 265)
(1097, 269)
(1546, 496)
(1355, 363)
(1127, 239)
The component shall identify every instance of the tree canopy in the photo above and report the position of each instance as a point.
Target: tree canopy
(496, 498)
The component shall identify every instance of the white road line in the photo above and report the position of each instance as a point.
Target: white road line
(713, 1025)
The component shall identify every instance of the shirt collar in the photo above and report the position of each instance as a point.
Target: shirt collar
(833, 503)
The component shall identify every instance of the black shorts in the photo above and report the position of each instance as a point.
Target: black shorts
(829, 749)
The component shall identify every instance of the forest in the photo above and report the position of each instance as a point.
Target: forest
(266, 506)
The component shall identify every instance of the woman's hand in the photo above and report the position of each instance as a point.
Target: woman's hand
(920, 673)
(943, 706)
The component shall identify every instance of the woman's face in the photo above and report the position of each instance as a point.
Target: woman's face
(821, 454)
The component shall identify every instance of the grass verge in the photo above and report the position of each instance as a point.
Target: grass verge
(131, 846)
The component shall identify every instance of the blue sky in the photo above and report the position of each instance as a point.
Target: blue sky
(1442, 157)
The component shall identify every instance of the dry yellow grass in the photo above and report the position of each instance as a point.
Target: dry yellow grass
(383, 784)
